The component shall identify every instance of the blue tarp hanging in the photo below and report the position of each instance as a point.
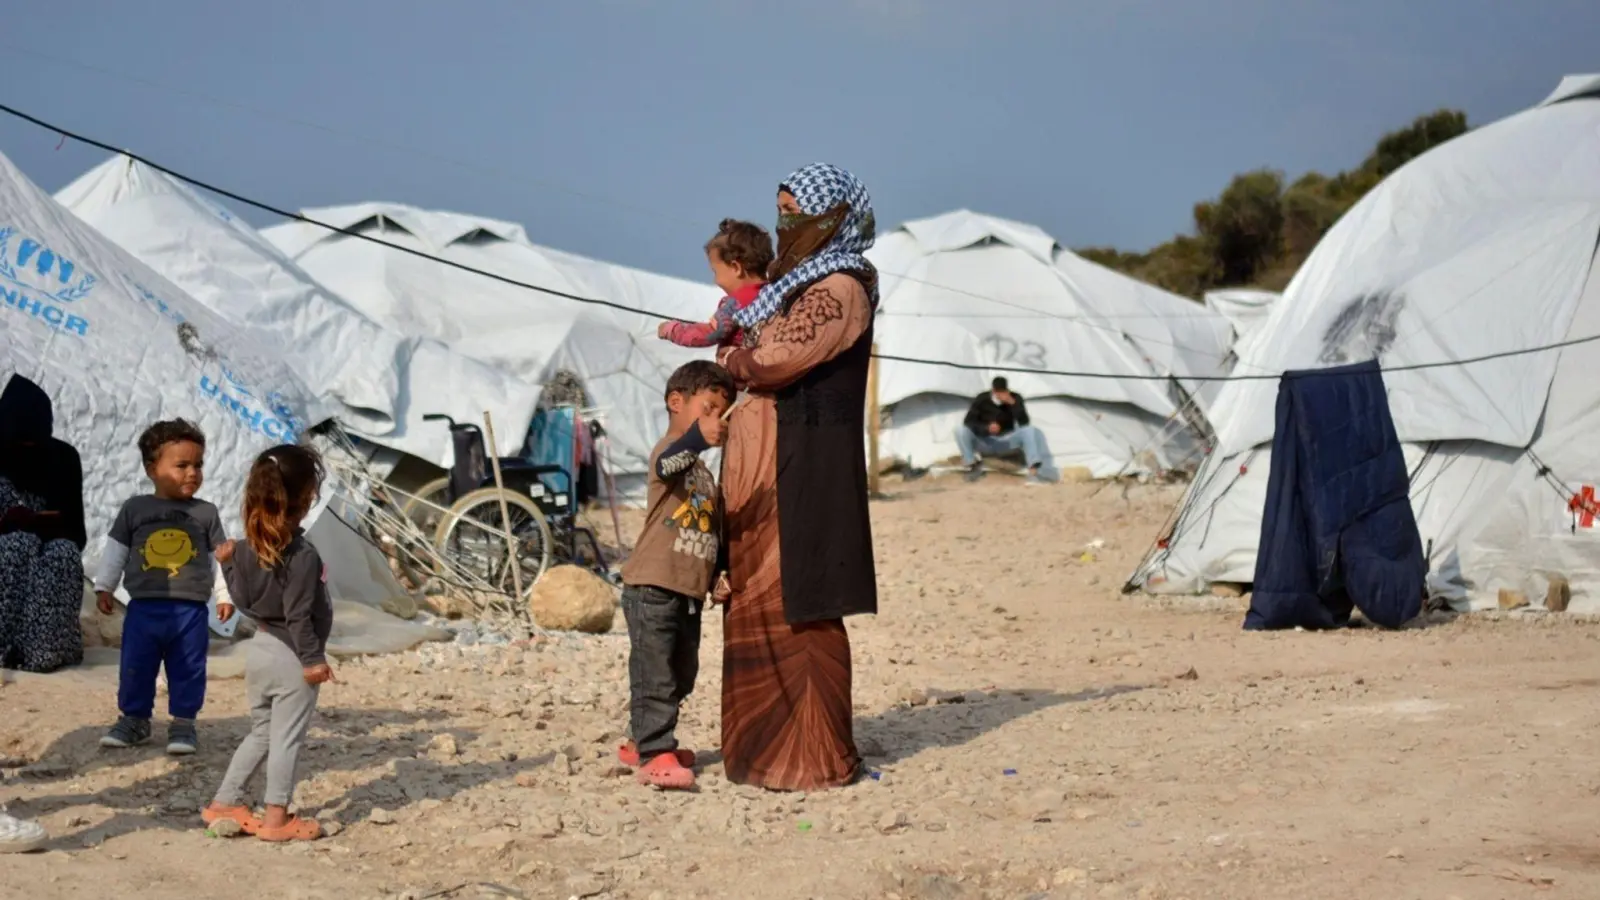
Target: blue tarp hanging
(553, 441)
(1337, 530)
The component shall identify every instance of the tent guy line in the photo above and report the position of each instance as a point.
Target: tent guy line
(1412, 367)
(598, 301)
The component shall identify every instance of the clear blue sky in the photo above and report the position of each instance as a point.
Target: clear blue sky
(624, 129)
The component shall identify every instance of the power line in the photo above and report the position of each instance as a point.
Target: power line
(1303, 373)
(504, 175)
(299, 217)
(622, 307)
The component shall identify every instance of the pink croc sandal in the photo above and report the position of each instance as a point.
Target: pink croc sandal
(628, 755)
(665, 772)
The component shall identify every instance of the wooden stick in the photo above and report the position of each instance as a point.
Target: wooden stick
(872, 422)
(519, 604)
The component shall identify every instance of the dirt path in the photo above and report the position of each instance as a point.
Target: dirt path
(1034, 733)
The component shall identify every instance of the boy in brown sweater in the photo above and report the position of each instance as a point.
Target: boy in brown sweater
(666, 579)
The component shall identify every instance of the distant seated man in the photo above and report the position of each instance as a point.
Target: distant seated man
(997, 423)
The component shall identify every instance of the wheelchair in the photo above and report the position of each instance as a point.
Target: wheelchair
(541, 502)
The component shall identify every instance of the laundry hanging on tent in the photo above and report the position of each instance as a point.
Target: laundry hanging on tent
(1337, 530)
(553, 441)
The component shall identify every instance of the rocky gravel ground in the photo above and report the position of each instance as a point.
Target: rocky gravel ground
(1031, 734)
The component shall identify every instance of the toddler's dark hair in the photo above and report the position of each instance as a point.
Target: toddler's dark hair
(698, 375)
(744, 244)
(283, 486)
(169, 431)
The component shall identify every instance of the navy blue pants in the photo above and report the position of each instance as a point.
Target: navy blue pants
(170, 633)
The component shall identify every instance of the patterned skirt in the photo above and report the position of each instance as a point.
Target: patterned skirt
(41, 596)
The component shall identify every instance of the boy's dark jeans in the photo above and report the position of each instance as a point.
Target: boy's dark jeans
(663, 661)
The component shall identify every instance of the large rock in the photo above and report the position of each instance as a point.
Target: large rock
(1511, 598)
(1559, 595)
(572, 598)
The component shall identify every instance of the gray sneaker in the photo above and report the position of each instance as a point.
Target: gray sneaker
(128, 732)
(975, 472)
(181, 737)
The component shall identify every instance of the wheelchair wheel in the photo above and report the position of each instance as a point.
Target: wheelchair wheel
(483, 551)
(426, 517)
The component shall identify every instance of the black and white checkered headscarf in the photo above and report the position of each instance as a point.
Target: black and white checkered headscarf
(818, 188)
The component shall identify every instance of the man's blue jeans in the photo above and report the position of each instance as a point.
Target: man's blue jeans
(1027, 438)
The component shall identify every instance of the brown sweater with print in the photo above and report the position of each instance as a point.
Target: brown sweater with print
(677, 550)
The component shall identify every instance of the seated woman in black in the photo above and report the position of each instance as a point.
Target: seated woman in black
(41, 535)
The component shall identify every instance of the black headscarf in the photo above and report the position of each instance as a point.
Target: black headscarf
(37, 463)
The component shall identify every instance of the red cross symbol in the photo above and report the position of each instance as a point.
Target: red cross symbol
(1583, 504)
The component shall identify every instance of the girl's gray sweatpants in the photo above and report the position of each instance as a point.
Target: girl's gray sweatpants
(281, 704)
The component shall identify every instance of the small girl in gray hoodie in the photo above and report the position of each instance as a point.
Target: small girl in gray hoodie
(277, 579)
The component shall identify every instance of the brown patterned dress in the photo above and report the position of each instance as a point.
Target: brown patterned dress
(786, 706)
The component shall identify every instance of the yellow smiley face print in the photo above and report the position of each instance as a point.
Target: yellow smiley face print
(168, 548)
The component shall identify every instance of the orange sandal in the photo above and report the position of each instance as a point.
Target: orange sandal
(248, 823)
(665, 772)
(296, 829)
(628, 755)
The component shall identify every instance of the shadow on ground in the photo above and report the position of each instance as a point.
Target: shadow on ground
(953, 718)
(343, 740)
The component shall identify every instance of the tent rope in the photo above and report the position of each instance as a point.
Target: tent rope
(622, 307)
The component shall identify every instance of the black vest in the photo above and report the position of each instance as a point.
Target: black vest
(824, 527)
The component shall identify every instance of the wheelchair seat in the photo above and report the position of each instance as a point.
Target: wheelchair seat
(550, 485)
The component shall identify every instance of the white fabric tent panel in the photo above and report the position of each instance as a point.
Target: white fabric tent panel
(1528, 532)
(1490, 240)
(1485, 517)
(382, 380)
(527, 334)
(938, 317)
(1479, 246)
(1245, 309)
(1573, 86)
(993, 294)
(1426, 301)
(117, 347)
(1216, 539)
(996, 296)
(225, 264)
(1173, 334)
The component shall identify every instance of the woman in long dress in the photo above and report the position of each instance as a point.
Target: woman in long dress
(794, 483)
(41, 535)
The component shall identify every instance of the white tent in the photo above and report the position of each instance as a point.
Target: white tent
(1482, 247)
(117, 347)
(531, 335)
(382, 380)
(1244, 308)
(992, 294)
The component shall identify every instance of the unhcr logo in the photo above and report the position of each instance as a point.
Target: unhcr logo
(39, 282)
(277, 423)
(270, 415)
